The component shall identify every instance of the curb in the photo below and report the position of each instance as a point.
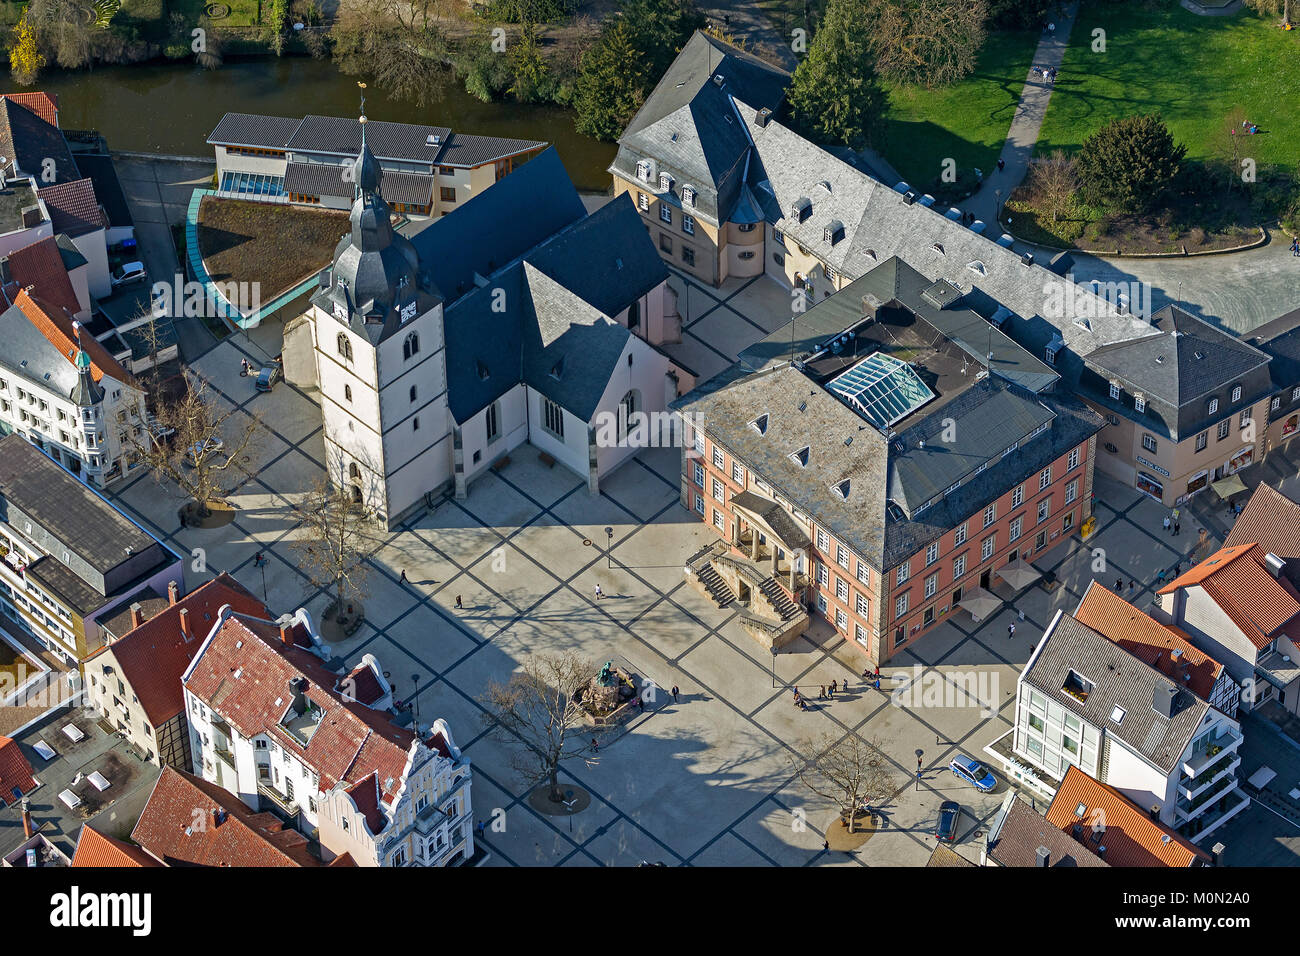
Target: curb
(1263, 240)
(162, 157)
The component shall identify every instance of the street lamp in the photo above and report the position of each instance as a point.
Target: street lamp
(919, 754)
(415, 692)
(773, 665)
(609, 552)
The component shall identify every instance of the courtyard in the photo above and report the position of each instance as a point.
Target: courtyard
(709, 778)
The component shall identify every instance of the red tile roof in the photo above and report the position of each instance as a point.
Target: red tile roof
(352, 740)
(365, 794)
(1128, 833)
(15, 772)
(95, 849)
(56, 325)
(154, 656)
(1237, 579)
(1271, 520)
(1147, 639)
(364, 685)
(74, 208)
(182, 825)
(44, 105)
(39, 267)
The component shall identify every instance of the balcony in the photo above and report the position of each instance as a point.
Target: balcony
(279, 801)
(1207, 750)
(1193, 787)
(223, 754)
(1187, 809)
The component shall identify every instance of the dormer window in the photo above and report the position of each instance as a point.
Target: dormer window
(801, 457)
(938, 247)
(1114, 390)
(759, 424)
(1139, 403)
(801, 209)
(1213, 406)
(841, 488)
(833, 232)
(643, 170)
(1236, 394)
(688, 195)
(665, 182)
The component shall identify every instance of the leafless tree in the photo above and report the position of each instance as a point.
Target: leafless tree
(338, 534)
(538, 709)
(931, 42)
(1053, 181)
(1230, 144)
(396, 45)
(849, 771)
(65, 28)
(196, 443)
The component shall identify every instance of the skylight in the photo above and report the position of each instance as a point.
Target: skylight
(1117, 715)
(882, 388)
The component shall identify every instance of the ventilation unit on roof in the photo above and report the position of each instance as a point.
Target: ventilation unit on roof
(764, 115)
(909, 198)
(1027, 259)
(719, 79)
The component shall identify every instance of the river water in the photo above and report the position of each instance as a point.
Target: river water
(171, 108)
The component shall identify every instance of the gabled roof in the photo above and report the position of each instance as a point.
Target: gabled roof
(244, 674)
(1120, 682)
(40, 267)
(55, 324)
(1130, 836)
(29, 137)
(1019, 831)
(153, 657)
(108, 188)
(1148, 640)
(1238, 581)
(74, 207)
(323, 179)
(189, 821)
(45, 105)
(1271, 520)
(16, 777)
(96, 849)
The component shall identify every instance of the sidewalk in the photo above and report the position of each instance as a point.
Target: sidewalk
(1025, 125)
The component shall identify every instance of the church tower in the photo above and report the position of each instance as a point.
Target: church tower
(380, 357)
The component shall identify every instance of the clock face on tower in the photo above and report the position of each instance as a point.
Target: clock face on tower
(408, 311)
(340, 311)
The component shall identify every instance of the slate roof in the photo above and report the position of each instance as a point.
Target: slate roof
(689, 128)
(341, 136)
(41, 267)
(321, 179)
(1280, 339)
(16, 776)
(351, 741)
(231, 835)
(1148, 640)
(777, 518)
(55, 325)
(96, 849)
(1118, 679)
(1128, 833)
(45, 364)
(152, 658)
(30, 138)
(66, 508)
(74, 208)
(66, 585)
(1019, 830)
(108, 188)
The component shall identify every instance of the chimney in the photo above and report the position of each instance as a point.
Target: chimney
(1042, 856)
(1217, 852)
(186, 631)
(764, 115)
(32, 216)
(1155, 812)
(137, 615)
(173, 593)
(28, 830)
(286, 633)
(1163, 699)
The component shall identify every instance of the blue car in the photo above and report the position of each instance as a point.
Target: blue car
(973, 773)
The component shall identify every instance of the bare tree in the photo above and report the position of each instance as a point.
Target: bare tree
(1053, 181)
(931, 42)
(849, 771)
(196, 443)
(65, 28)
(539, 708)
(394, 44)
(1230, 143)
(338, 534)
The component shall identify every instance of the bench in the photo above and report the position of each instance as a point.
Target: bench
(546, 459)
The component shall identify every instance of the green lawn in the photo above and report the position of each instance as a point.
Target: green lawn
(243, 13)
(967, 121)
(1193, 70)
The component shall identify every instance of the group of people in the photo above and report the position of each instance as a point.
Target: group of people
(1250, 128)
(828, 691)
(1048, 73)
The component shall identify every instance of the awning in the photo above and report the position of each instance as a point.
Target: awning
(1018, 573)
(1227, 487)
(980, 603)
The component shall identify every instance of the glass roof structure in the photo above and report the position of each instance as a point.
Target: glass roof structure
(882, 388)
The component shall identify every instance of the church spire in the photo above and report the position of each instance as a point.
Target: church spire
(366, 173)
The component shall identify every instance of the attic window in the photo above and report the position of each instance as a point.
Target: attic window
(1083, 323)
(688, 195)
(871, 253)
(938, 247)
(1114, 390)
(801, 457)
(759, 424)
(1081, 809)
(665, 182)
(825, 184)
(1139, 403)
(801, 209)
(483, 372)
(841, 488)
(977, 267)
(833, 232)
(643, 170)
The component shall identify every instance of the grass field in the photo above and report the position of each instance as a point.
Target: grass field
(243, 13)
(1193, 70)
(967, 121)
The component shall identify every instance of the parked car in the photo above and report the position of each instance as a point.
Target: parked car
(949, 814)
(193, 453)
(267, 376)
(127, 273)
(973, 772)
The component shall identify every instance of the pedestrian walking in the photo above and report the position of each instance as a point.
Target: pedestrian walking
(1295, 246)
(597, 592)
(674, 693)
(458, 604)
(1011, 630)
(1002, 164)
(1131, 585)
(826, 844)
(1167, 522)
(404, 581)
(1178, 528)
(834, 685)
(877, 682)
(1119, 585)
(821, 692)
(595, 745)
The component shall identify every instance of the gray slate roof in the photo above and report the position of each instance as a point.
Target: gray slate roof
(341, 136)
(1281, 340)
(1119, 680)
(30, 140)
(323, 179)
(64, 507)
(689, 127)
(1019, 830)
(29, 354)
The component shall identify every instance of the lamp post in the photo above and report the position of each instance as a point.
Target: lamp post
(997, 206)
(609, 552)
(919, 754)
(415, 694)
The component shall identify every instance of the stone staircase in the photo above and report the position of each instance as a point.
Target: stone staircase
(780, 600)
(769, 614)
(715, 587)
